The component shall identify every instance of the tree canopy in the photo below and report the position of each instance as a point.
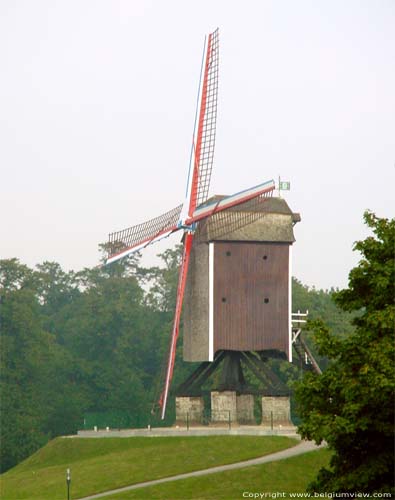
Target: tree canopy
(351, 405)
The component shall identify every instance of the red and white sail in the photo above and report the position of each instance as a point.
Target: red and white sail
(203, 142)
(199, 177)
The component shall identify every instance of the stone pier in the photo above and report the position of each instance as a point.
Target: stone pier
(223, 406)
(276, 411)
(191, 408)
(227, 405)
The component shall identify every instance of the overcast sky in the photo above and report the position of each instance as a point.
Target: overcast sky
(97, 102)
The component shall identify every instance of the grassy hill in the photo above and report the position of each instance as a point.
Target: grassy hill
(276, 479)
(102, 464)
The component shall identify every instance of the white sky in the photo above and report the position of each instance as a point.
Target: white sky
(97, 102)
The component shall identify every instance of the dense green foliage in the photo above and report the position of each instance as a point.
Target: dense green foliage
(104, 464)
(71, 343)
(351, 405)
(95, 342)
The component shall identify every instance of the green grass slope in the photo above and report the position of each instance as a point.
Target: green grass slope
(102, 464)
(272, 480)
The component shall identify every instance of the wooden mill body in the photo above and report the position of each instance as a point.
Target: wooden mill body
(238, 291)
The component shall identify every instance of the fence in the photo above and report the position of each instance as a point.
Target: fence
(118, 419)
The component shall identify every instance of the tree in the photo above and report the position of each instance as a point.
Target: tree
(351, 405)
(163, 281)
(38, 397)
(25, 356)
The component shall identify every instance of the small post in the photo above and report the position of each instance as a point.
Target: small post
(229, 421)
(271, 420)
(187, 420)
(68, 481)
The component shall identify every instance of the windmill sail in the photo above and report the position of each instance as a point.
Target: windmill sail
(127, 241)
(122, 243)
(198, 183)
(203, 143)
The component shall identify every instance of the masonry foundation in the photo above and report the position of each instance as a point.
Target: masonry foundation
(276, 411)
(223, 407)
(189, 409)
(228, 407)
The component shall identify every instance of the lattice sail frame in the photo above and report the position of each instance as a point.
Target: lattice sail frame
(206, 133)
(141, 235)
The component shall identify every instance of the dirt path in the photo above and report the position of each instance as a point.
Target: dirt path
(299, 449)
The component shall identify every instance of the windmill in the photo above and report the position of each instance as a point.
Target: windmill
(197, 212)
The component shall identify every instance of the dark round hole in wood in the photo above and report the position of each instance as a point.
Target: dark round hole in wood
(223, 299)
(228, 254)
(264, 257)
(266, 301)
